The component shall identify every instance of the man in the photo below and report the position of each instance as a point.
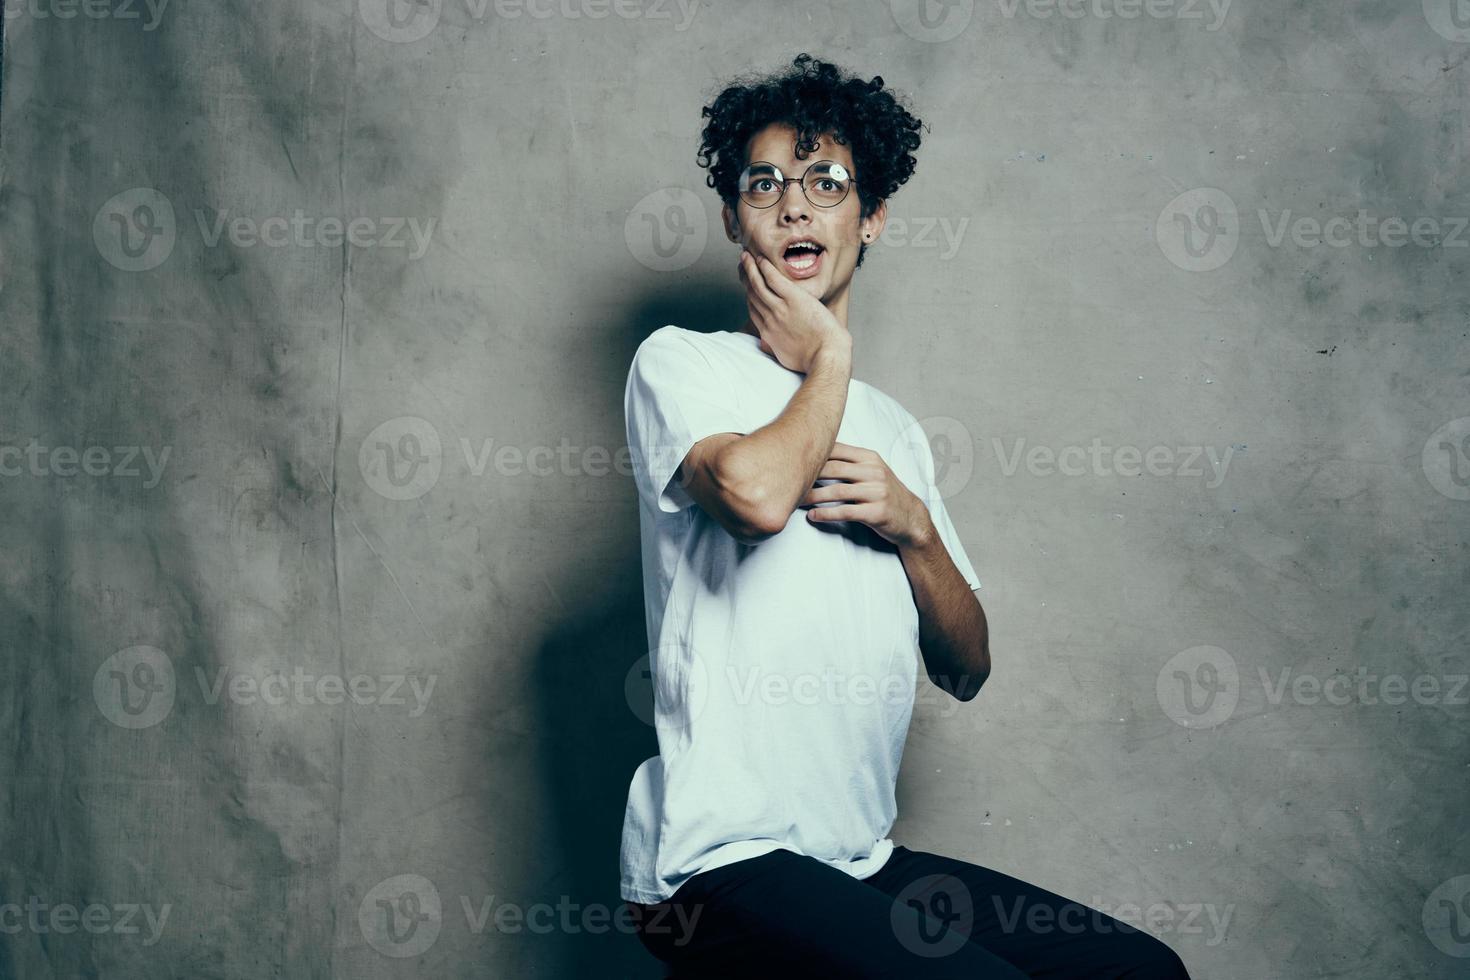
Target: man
(796, 556)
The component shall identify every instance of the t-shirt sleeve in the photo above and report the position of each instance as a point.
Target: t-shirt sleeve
(674, 397)
(939, 514)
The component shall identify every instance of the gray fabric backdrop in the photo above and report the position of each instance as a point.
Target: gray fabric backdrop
(321, 611)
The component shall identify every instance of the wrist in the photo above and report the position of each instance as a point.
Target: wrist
(923, 536)
(834, 351)
(839, 340)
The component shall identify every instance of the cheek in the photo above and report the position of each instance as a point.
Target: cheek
(850, 234)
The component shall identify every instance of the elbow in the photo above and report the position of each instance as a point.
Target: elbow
(754, 514)
(752, 526)
(764, 520)
(747, 534)
(971, 683)
(970, 689)
(967, 690)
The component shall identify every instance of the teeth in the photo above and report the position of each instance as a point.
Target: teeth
(806, 246)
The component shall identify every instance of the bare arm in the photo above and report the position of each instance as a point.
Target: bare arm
(750, 484)
(954, 635)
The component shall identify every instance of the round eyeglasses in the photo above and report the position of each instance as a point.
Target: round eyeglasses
(825, 184)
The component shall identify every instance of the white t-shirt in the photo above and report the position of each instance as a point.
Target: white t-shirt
(783, 672)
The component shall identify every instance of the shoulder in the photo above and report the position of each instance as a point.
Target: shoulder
(667, 343)
(672, 358)
(887, 404)
(665, 337)
(674, 342)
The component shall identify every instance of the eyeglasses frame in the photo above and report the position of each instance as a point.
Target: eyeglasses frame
(800, 181)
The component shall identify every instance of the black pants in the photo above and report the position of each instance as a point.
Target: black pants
(921, 915)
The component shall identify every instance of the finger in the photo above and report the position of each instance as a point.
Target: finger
(754, 282)
(760, 308)
(852, 454)
(842, 512)
(769, 279)
(845, 492)
(775, 281)
(839, 469)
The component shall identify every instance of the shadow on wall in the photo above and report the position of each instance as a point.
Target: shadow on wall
(594, 707)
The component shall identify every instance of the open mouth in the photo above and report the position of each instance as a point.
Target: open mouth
(803, 258)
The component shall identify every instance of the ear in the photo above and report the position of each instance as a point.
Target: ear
(732, 223)
(871, 227)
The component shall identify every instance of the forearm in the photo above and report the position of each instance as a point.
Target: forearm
(775, 465)
(954, 636)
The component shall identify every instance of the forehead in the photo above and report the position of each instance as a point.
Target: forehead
(776, 144)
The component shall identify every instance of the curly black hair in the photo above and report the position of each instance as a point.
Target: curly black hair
(814, 98)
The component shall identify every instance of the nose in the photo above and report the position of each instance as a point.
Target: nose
(793, 205)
